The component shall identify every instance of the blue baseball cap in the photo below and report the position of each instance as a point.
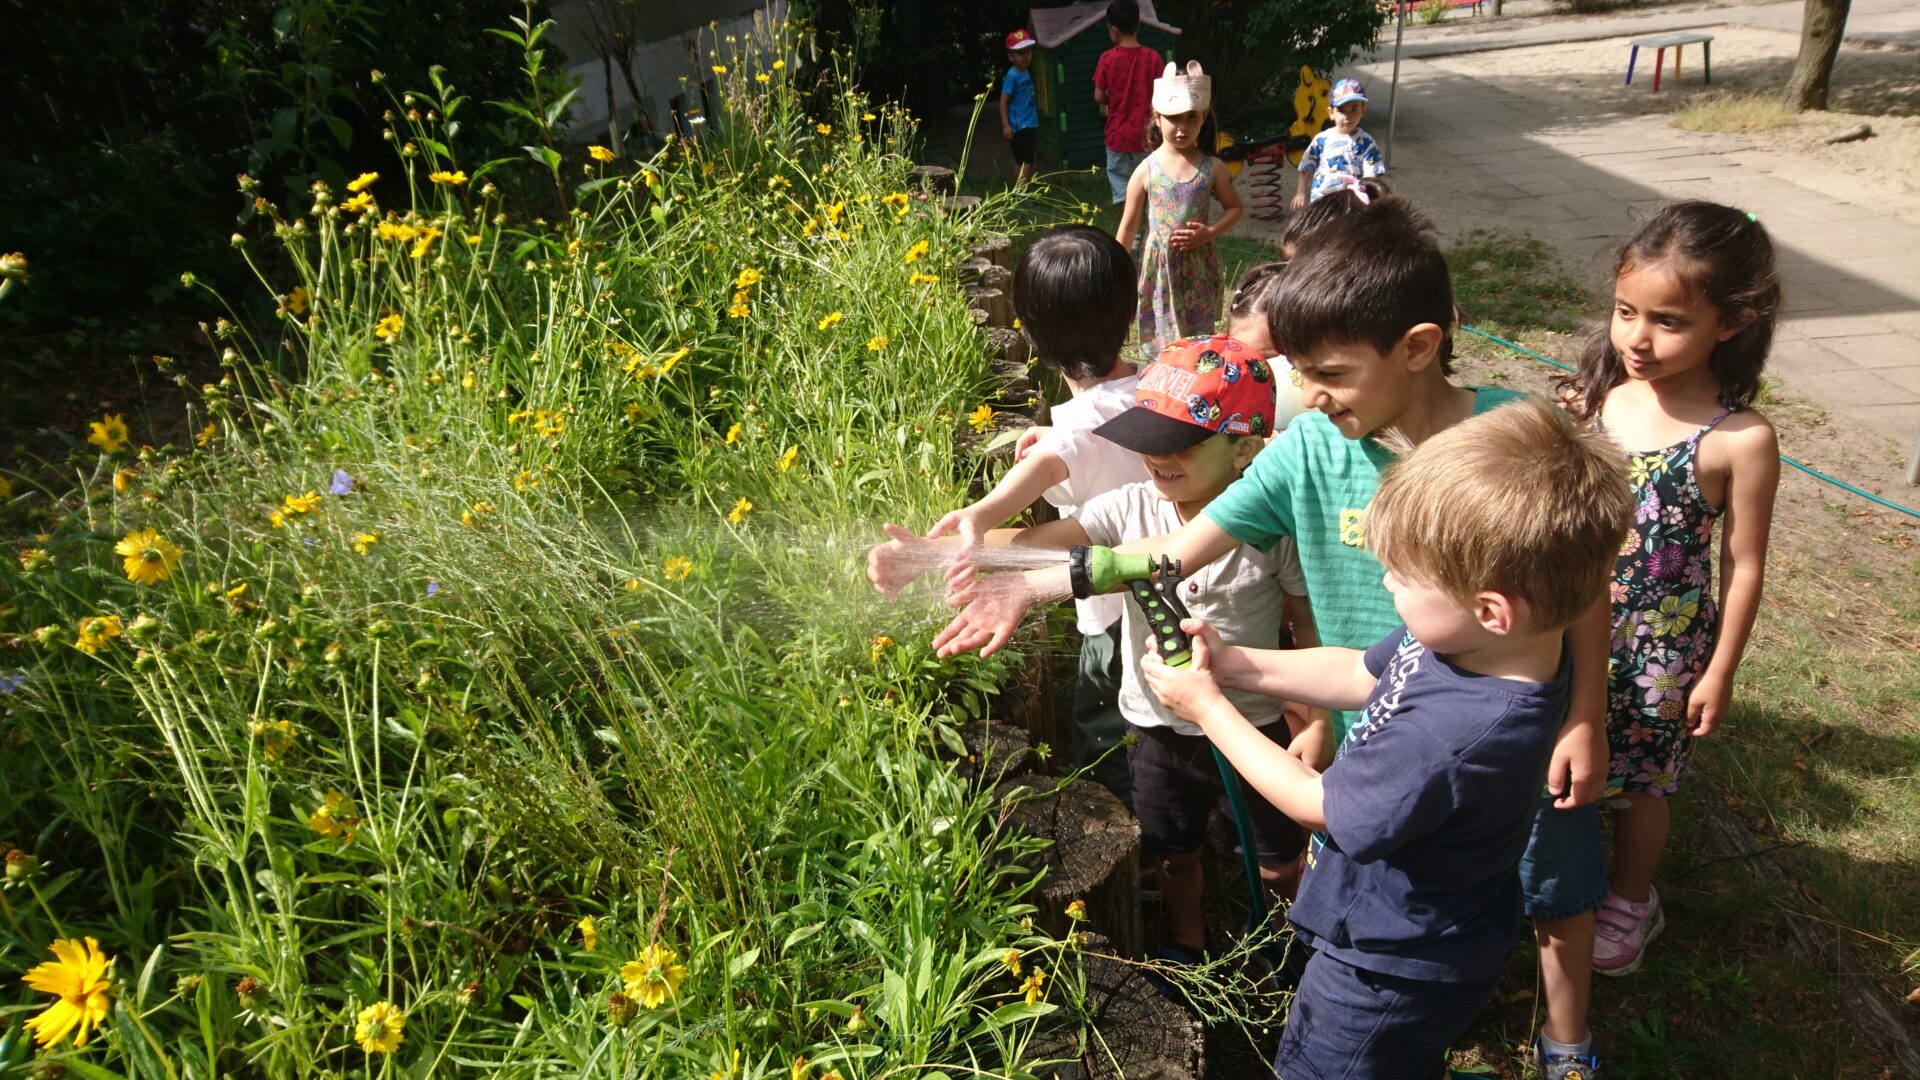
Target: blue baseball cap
(1347, 90)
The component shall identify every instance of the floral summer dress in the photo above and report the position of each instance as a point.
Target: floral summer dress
(1179, 290)
(1664, 618)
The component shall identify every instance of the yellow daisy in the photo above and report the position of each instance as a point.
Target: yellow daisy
(109, 432)
(600, 154)
(980, 418)
(149, 557)
(380, 1027)
(362, 182)
(94, 631)
(678, 568)
(654, 978)
(589, 935)
(739, 512)
(787, 459)
(78, 979)
(451, 179)
(389, 328)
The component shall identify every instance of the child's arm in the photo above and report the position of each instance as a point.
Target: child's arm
(1324, 677)
(1753, 479)
(905, 557)
(1015, 492)
(1136, 208)
(1192, 694)
(1577, 772)
(1309, 164)
(991, 606)
(1230, 206)
(1006, 124)
(1312, 741)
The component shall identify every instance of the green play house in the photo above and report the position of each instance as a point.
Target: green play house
(1070, 40)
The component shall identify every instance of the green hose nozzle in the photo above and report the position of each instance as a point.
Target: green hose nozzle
(1154, 585)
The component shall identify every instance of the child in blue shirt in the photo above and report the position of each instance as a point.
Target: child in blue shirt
(1496, 534)
(1340, 156)
(1019, 116)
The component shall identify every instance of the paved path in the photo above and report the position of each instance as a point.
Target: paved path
(1486, 157)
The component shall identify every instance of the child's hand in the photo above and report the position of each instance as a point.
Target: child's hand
(995, 604)
(1191, 235)
(1029, 439)
(1006, 131)
(1299, 203)
(895, 564)
(1707, 704)
(1191, 691)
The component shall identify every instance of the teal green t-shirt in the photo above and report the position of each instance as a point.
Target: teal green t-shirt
(1313, 484)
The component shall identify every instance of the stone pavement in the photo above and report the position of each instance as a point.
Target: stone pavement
(1869, 22)
(1482, 156)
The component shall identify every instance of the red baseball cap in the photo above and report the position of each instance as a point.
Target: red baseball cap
(1198, 388)
(1020, 39)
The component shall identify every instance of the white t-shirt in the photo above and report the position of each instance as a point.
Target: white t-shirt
(1094, 466)
(1239, 594)
(1287, 402)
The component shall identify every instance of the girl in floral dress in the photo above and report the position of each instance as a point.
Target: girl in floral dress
(1671, 379)
(1179, 267)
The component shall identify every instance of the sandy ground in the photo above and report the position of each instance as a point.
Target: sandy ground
(1877, 86)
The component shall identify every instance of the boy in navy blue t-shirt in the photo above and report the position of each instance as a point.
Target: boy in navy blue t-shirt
(1019, 112)
(1497, 534)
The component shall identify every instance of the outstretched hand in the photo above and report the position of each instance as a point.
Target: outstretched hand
(894, 565)
(991, 608)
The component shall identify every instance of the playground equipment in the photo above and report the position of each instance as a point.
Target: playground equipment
(1266, 158)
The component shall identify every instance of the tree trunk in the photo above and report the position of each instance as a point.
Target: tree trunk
(614, 139)
(1819, 45)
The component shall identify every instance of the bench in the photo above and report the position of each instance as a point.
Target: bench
(1408, 6)
(1660, 43)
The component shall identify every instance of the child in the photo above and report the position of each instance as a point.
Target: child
(1073, 293)
(1497, 534)
(1179, 266)
(1201, 413)
(1369, 352)
(1346, 199)
(1672, 378)
(1019, 118)
(1123, 88)
(1247, 322)
(1341, 154)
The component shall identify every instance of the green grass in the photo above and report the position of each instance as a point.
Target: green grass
(1513, 284)
(1738, 113)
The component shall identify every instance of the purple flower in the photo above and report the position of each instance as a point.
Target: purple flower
(1668, 562)
(1649, 506)
(1665, 682)
(13, 684)
(342, 483)
(433, 589)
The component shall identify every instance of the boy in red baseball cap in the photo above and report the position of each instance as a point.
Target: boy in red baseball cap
(1201, 413)
(1019, 115)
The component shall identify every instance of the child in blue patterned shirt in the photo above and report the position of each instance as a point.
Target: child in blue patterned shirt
(1342, 155)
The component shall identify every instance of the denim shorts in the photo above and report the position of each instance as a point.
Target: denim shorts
(1347, 1023)
(1120, 170)
(1564, 870)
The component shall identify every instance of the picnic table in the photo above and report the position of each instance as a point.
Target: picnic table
(1660, 43)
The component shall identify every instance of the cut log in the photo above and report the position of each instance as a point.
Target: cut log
(934, 178)
(994, 303)
(1852, 134)
(995, 752)
(973, 270)
(1010, 353)
(997, 250)
(1134, 1031)
(1094, 857)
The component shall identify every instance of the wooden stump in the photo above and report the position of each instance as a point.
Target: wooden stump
(960, 204)
(995, 752)
(1094, 857)
(1010, 352)
(998, 277)
(997, 250)
(994, 302)
(973, 270)
(1032, 709)
(937, 179)
(1136, 1033)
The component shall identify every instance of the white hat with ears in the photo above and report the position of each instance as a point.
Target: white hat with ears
(1174, 93)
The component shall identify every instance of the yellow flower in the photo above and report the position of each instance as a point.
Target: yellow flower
(425, 244)
(359, 204)
(525, 479)
(397, 230)
(589, 936)
(122, 480)
(654, 978)
(746, 278)
(924, 279)
(678, 568)
(918, 249)
(276, 737)
(380, 1027)
(867, 116)
(389, 328)
(32, 559)
(878, 342)
(477, 510)
(6, 488)
(733, 435)
(94, 631)
(363, 542)
(738, 310)
(77, 977)
(204, 437)
(600, 154)
(1077, 910)
(1033, 987)
(297, 300)
(824, 129)
(300, 504)
(634, 585)
(362, 182)
(787, 459)
(673, 361)
(1012, 960)
(739, 512)
(451, 179)
(779, 65)
(979, 418)
(833, 212)
(878, 647)
(276, 519)
(334, 817)
(831, 320)
(549, 423)
(762, 78)
(148, 557)
(719, 69)
(109, 433)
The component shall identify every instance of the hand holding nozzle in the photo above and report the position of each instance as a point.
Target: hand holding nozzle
(1155, 587)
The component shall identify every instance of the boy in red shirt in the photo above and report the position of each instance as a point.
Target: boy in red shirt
(1123, 88)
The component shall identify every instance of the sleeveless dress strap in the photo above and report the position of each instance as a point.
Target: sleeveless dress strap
(1713, 423)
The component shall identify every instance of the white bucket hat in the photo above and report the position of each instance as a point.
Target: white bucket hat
(1174, 93)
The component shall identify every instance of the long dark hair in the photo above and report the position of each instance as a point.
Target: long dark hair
(1334, 204)
(1074, 291)
(1726, 255)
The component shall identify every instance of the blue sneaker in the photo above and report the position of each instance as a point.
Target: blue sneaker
(1564, 1066)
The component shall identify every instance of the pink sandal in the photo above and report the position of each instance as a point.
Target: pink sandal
(1622, 930)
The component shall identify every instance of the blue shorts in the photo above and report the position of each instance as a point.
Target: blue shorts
(1347, 1023)
(1120, 170)
(1564, 870)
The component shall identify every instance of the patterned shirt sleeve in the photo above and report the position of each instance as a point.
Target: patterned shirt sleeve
(1368, 151)
(1310, 161)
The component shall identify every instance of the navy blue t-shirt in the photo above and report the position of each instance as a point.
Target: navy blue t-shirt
(1428, 808)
